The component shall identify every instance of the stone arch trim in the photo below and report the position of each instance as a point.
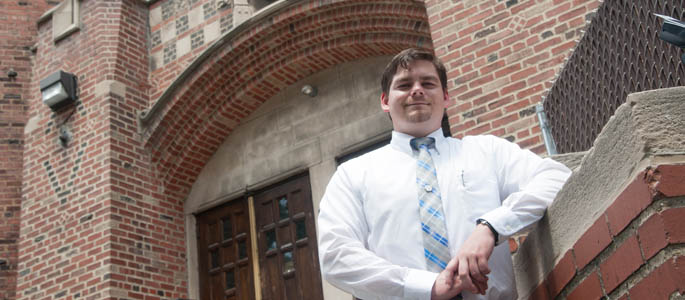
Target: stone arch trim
(246, 68)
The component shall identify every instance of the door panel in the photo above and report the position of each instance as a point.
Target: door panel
(288, 257)
(224, 251)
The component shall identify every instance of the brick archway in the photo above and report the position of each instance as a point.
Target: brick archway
(270, 52)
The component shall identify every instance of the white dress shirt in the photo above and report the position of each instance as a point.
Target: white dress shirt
(370, 241)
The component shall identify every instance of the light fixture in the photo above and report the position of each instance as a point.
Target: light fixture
(673, 32)
(309, 90)
(58, 90)
(223, 4)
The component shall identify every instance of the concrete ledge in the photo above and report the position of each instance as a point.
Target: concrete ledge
(570, 160)
(647, 129)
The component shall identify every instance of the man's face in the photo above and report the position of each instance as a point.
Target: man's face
(415, 100)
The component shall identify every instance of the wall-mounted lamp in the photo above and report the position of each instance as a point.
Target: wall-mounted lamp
(58, 90)
(673, 32)
(223, 4)
(309, 90)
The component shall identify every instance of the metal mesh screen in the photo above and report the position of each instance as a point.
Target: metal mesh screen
(620, 53)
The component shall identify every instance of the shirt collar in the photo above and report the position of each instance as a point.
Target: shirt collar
(400, 141)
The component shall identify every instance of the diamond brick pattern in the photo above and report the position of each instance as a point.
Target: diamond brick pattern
(181, 24)
(168, 9)
(156, 38)
(197, 39)
(620, 54)
(209, 9)
(169, 53)
(226, 23)
(181, 4)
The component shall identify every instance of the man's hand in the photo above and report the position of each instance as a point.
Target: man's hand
(446, 286)
(472, 260)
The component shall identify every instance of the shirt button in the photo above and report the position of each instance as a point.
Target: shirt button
(428, 188)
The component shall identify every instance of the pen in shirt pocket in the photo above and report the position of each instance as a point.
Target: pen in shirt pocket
(460, 178)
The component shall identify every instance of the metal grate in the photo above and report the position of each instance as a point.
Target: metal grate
(620, 53)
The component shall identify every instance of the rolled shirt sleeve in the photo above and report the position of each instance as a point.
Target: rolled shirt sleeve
(528, 185)
(370, 241)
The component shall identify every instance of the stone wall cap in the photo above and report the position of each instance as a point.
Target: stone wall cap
(649, 127)
(571, 160)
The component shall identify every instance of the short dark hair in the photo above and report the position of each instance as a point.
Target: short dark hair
(406, 57)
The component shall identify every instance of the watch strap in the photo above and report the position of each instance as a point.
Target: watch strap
(486, 223)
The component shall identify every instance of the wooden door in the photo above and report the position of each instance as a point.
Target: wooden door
(224, 252)
(288, 257)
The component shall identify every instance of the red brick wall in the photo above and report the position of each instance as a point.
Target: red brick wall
(17, 35)
(634, 249)
(147, 233)
(501, 57)
(95, 223)
(103, 217)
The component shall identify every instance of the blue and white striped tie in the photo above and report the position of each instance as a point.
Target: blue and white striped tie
(435, 244)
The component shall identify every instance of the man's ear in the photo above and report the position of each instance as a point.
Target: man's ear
(384, 102)
(447, 99)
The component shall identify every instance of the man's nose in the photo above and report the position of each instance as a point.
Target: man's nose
(417, 89)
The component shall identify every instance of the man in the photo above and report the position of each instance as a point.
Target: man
(426, 217)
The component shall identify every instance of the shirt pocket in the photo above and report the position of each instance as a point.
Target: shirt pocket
(477, 189)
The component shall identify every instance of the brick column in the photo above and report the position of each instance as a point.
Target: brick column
(18, 32)
(95, 222)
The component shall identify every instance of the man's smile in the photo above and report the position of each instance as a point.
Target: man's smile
(417, 104)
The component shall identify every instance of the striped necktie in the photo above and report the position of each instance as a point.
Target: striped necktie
(435, 244)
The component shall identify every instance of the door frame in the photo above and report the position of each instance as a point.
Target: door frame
(248, 195)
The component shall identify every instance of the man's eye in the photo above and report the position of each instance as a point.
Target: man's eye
(428, 84)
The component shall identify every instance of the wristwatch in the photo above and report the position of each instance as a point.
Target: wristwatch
(486, 223)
